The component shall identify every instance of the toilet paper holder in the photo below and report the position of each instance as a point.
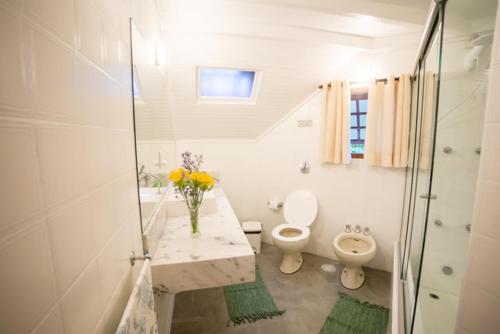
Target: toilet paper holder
(274, 205)
(304, 166)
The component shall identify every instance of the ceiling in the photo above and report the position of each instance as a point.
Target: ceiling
(297, 44)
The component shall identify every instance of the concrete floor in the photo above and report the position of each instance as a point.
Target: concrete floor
(307, 296)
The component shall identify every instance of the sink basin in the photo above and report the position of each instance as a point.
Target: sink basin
(176, 205)
(149, 200)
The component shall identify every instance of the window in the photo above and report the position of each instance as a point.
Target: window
(136, 87)
(225, 85)
(359, 106)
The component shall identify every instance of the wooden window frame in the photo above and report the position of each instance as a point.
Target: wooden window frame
(357, 97)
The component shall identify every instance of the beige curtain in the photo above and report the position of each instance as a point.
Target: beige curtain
(428, 105)
(388, 121)
(336, 123)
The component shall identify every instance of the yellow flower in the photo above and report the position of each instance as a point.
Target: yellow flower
(203, 179)
(177, 175)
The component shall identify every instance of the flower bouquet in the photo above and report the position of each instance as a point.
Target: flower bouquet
(192, 184)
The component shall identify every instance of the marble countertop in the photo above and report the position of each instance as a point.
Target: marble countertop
(221, 255)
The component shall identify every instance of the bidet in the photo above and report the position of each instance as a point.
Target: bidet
(354, 249)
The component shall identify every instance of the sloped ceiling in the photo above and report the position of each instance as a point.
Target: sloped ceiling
(297, 44)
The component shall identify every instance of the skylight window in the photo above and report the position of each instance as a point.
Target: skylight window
(226, 85)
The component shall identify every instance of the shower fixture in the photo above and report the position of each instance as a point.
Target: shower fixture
(479, 42)
(447, 270)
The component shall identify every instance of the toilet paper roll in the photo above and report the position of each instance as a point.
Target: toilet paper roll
(274, 205)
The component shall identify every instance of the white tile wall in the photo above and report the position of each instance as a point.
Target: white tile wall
(68, 210)
(480, 295)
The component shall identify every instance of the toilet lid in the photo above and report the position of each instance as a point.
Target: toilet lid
(300, 208)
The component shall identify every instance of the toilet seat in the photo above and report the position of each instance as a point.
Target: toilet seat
(276, 233)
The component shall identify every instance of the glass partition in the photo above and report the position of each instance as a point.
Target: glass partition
(154, 134)
(448, 104)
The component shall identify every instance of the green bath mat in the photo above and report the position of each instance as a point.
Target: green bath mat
(351, 316)
(249, 302)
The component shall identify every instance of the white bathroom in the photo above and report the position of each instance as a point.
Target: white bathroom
(247, 166)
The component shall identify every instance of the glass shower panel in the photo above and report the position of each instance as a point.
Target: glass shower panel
(459, 122)
(423, 193)
(411, 175)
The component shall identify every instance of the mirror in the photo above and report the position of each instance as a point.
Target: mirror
(154, 135)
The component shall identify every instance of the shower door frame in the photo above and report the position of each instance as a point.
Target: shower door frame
(434, 25)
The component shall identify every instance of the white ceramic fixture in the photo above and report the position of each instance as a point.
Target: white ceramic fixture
(176, 206)
(300, 210)
(150, 197)
(355, 249)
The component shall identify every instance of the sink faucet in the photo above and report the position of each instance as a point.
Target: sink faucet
(145, 176)
(357, 229)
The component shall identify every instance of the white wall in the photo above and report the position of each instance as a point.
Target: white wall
(290, 70)
(150, 151)
(352, 194)
(480, 295)
(252, 172)
(68, 210)
(235, 165)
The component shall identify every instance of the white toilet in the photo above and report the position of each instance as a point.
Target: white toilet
(300, 209)
(355, 249)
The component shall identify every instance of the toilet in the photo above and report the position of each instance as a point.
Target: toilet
(300, 209)
(354, 249)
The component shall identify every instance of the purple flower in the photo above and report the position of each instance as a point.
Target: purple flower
(190, 164)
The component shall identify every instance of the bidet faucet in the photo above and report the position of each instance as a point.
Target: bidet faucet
(348, 228)
(366, 231)
(357, 229)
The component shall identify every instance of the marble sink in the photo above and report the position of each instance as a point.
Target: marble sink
(176, 205)
(150, 198)
(220, 256)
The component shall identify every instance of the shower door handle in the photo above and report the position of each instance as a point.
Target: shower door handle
(431, 196)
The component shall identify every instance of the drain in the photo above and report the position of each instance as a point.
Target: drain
(355, 251)
(433, 296)
(329, 268)
(447, 270)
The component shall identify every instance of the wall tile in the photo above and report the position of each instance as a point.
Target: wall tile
(114, 309)
(82, 306)
(13, 84)
(121, 200)
(26, 281)
(493, 108)
(89, 30)
(479, 268)
(72, 242)
(122, 116)
(111, 262)
(52, 324)
(69, 213)
(488, 210)
(54, 79)
(57, 15)
(102, 217)
(93, 94)
(490, 163)
(99, 158)
(479, 310)
(61, 152)
(20, 191)
(112, 60)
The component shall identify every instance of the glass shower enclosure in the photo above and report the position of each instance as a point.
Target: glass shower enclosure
(448, 104)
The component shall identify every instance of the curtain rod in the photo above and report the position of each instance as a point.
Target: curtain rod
(384, 80)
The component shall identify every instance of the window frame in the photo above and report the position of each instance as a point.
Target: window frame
(252, 100)
(357, 96)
